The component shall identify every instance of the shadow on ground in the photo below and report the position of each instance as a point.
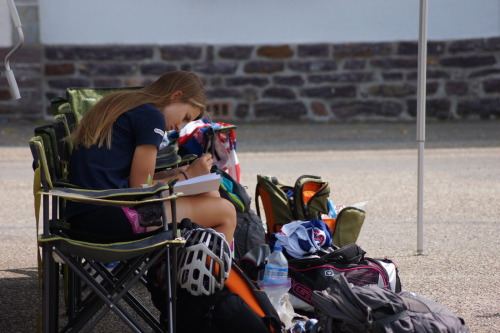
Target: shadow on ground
(23, 288)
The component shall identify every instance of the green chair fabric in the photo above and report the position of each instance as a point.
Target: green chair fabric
(82, 99)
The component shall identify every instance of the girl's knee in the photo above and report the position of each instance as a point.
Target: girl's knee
(230, 212)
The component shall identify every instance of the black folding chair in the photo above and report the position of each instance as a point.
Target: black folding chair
(91, 288)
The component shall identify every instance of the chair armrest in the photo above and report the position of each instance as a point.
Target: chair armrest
(116, 197)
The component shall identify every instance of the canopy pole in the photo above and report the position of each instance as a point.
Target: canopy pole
(421, 98)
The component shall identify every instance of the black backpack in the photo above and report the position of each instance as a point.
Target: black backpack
(240, 307)
(344, 307)
(249, 231)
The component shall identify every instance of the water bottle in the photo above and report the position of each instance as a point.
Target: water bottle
(276, 270)
(276, 284)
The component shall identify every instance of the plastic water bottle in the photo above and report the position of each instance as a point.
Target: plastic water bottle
(276, 284)
(276, 270)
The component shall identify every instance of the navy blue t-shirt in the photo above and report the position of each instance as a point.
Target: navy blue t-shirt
(100, 168)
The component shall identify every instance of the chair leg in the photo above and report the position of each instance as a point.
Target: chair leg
(113, 287)
(173, 283)
(99, 290)
(74, 292)
(50, 291)
(170, 314)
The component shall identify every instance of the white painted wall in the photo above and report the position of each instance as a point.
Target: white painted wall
(261, 21)
(5, 25)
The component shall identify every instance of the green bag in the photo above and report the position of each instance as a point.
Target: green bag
(307, 199)
(348, 226)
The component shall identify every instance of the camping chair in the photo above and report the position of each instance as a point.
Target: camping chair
(79, 100)
(84, 262)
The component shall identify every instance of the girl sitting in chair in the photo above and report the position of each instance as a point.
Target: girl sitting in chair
(115, 146)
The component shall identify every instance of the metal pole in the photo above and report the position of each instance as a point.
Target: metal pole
(421, 98)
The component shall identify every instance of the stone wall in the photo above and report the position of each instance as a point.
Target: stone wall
(320, 82)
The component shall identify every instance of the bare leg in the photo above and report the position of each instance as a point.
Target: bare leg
(209, 211)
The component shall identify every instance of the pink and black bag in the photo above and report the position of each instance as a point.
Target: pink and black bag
(315, 273)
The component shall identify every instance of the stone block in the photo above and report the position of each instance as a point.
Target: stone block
(374, 109)
(456, 88)
(275, 52)
(288, 80)
(26, 54)
(312, 66)
(157, 68)
(216, 68)
(392, 76)
(434, 108)
(468, 45)
(29, 82)
(492, 44)
(4, 94)
(242, 111)
(63, 83)
(236, 52)
(392, 90)
(108, 82)
(484, 72)
(362, 50)
(411, 48)
(216, 81)
(282, 93)
(288, 111)
(341, 77)
(264, 67)
(330, 91)
(431, 74)
(224, 93)
(319, 109)
(181, 52)
(492, 85)
(354, 64)
(314, 50)
(431, 87)
(485, 108)
(59, 69)
(471, 61)
(257, 81)
(394, 63)
(106, 68)
(98, 53)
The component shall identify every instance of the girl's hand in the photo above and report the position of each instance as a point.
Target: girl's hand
(201, 166)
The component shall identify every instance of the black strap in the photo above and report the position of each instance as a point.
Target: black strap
(349, 254)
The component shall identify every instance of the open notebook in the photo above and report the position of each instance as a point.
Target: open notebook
(200, 184)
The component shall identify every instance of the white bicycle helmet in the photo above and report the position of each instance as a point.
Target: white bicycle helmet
(204, 262)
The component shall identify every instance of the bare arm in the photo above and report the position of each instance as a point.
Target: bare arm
(143, 165)
(144, 161)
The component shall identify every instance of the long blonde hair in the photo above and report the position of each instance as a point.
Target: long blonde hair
(97, 124)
